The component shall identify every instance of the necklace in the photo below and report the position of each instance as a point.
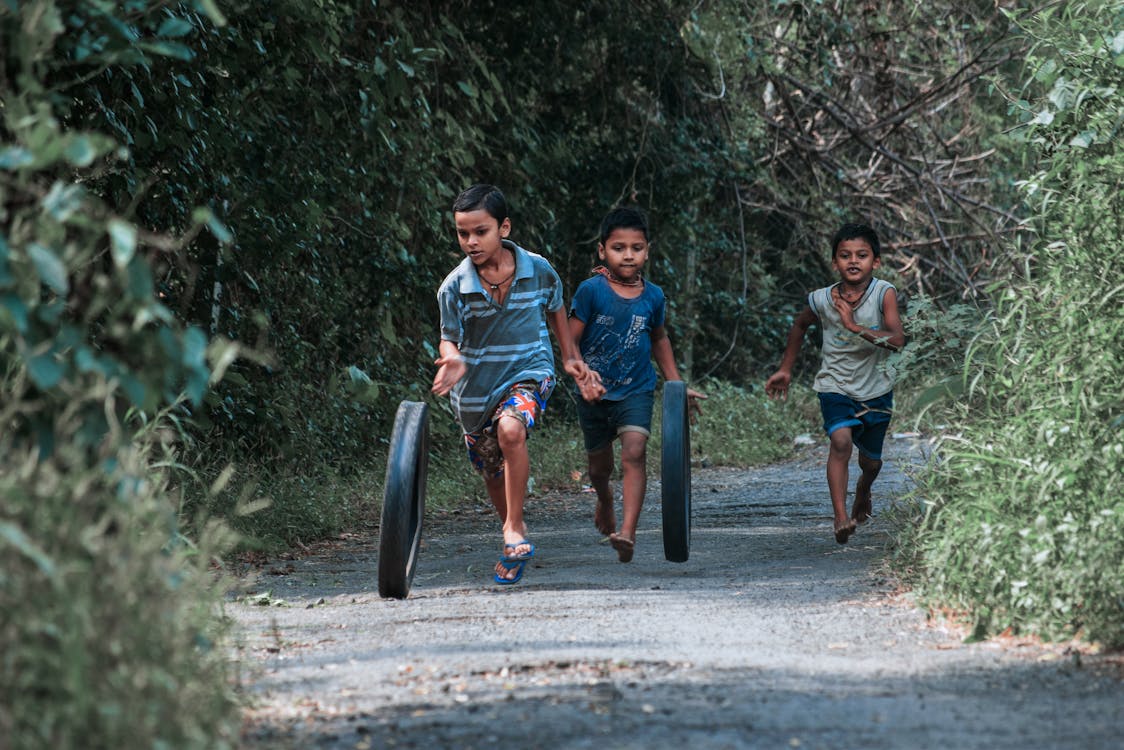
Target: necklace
(498, 284)
(638, 281)
(845, 296)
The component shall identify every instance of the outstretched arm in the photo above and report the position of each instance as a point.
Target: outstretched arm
(589, 382)
(450, 367)
(777, 384)
(665, 360)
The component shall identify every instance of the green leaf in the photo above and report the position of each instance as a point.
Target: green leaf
(134, 390)
(1083, 140)
(15, 537)
(204, 215)
(44, 370)
(15, 157)
(17, 309)
(140, 279)
(81, 151)
(51, 270)
(175, 27)
(123, 241)
(467, 88)
(63, 200)
(357, 375)
(212, 10)
(169, 49)
(409, 71)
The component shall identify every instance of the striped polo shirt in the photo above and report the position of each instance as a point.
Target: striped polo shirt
(501, 344)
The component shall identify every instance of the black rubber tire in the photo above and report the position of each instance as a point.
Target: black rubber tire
(675, 472)
(403, 503)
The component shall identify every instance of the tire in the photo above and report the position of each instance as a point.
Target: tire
(675, 472)
(403, 503)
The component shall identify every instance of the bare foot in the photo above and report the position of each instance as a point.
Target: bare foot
(844, 529)
(509, 571)
(604, 518)
(624, 547)
(861, 509)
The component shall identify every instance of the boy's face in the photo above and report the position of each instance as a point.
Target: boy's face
(480, 235)
(855, 261)
(624, 252)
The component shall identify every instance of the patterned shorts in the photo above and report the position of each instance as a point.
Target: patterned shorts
(525, 401)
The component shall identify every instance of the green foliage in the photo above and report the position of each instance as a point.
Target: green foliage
(1025, 509)
(742, 427)
(929, 370)
(107, 611)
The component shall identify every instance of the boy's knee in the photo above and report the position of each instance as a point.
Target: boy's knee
(634, 448)
(840, 441)
(634, 456)
(510, 432)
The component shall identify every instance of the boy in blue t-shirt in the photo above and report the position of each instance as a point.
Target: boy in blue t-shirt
(617, 320)
(497, 308)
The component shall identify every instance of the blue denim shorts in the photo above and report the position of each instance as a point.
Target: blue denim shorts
(868, 419)
(602, 421)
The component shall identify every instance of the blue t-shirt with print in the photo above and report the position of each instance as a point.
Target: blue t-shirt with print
(616, 341)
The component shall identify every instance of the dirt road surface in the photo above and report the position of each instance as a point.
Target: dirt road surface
(770, 636)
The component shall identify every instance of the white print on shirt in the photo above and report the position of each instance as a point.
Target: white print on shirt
(634, 331)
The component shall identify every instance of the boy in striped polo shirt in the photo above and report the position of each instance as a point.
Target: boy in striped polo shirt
(496, 361)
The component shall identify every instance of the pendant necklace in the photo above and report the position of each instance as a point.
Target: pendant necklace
(495, 287)
(856, 301)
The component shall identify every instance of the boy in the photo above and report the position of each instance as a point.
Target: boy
(861, 327)
(496, 359)
(617, 320)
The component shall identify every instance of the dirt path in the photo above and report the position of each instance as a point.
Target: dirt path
(771, 636)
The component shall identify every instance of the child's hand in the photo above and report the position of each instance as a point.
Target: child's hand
(777, 384)
(694, 410)
(450, 369)
(589, 381)
(846, 312)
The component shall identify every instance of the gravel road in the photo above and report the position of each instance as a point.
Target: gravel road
(770, 636)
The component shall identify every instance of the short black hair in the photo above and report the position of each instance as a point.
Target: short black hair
(857, 232)
(487, 197)
(624, 217)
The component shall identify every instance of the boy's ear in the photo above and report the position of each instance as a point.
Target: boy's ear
(601, 250)
(505, 228)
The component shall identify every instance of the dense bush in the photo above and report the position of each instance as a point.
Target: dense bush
(1024, 524)
(107, 610)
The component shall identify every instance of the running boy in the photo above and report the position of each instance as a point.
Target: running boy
(496, 359)
(617, 319)
(861, 327)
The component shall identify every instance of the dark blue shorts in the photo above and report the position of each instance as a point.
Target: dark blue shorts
(868, 419)
(602, 421)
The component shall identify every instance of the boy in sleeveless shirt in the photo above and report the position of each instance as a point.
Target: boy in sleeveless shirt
(861, 327)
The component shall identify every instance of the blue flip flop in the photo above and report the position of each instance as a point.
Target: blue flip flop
(524, 556)
(516, 565)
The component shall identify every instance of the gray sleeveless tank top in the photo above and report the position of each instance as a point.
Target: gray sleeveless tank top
(852, 365)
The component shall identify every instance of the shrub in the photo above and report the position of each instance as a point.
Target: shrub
(1024, 510)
